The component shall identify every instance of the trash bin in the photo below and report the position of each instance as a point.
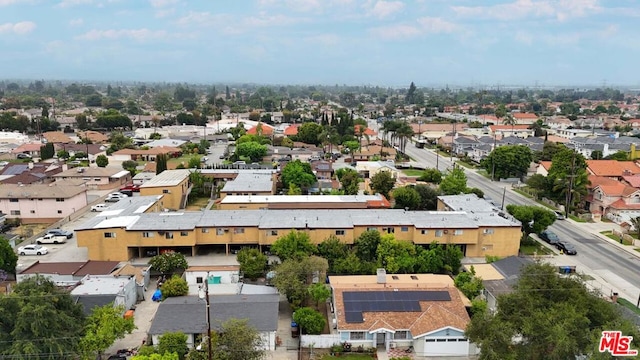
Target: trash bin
(295, 330)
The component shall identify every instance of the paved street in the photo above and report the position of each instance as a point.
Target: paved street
(617, 269)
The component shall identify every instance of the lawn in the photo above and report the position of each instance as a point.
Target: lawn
(629, 305)
(616, 238)
(465, 164)
(532, 247)
(197, 203)
(577, 219)
(413, 172)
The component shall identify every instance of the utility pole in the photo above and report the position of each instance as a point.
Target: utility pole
(570, 190)
(493, 159)
(203, 293)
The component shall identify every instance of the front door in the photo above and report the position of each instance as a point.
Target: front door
(380, 339)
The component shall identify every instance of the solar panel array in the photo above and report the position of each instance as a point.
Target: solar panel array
(356, 302)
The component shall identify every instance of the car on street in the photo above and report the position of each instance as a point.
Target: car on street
(115, 197)
(566, 248)
(23, 156)
(204, 159)
(60, 232)
(559, 215)
(550, 237)
(33, 249)
(99, 207)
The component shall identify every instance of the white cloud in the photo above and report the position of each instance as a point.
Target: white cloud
(70, 3)
(19, 28)
(162, 13)
(522, 9)
(162, 3)
(383, 9)
(76, 22)
(113, 34)
(324, 39)
(8, 2)
(424, 26)
(306, 6)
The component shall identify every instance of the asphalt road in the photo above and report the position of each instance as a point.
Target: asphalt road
(595, 255)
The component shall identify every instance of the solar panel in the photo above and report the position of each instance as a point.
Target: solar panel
(356, 302)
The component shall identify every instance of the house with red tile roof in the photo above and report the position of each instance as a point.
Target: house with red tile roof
(424, 311)
(612, 168)
(267, 130)
(292, 130)
(525, 118)
(57, 137)
(612, 199)
(32, 149)
(501, 131)
(543, 168)
(145, 155)
(94, 136)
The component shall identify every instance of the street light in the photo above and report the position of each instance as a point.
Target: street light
(203, 293)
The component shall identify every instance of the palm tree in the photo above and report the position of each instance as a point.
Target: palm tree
(636, 224)
(579, 189)
(510, 120)
(404, 133)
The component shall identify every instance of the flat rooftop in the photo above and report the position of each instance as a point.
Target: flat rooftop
(467, 202)
(167, 178)
(288, 199)
(399, 281)
(249, 182)
(101, 285)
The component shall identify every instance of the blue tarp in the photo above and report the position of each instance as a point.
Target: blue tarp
(157, 295)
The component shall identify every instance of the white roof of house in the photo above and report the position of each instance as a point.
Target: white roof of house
(242, 199)
(101, 285)
(167, 178)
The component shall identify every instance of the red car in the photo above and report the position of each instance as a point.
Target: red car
(131, 187)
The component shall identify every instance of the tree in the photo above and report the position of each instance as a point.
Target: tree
(396, 256)
(103, 327)
(169, 262)
(252, 262)
(549, 149)
(173, 343)
(382, 182)
(428, 197)
(406, 197)
(509, 120)
(508, 161)
(294, 245)
(620, 156)
(349, 179)
(478, 192)
(552, 317)
(165, 356)
(174, 286)
(130, 166)
(293, 277)
(431, 175)
(454, 183)
(319, 292)
(194, 162)
(470, 285)
(534, 219)
(8, 257)
(253, 150)
(47, 151)
(237, 340)
(309, 133)
(333, 249)
(635, 222)
(352, 146)
(310, 321)
(102, 161)
(161, 163)
(367, 245)
(298, 173)
(63, 154)
(34, 316)
(597, 155)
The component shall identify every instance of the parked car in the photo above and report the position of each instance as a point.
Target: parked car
(115, 197)
(204, 159)
(60, 232)
(559, 215)
(240, 162)
(51, 239)
(99, 207)
(23, 156)
(131, 187)
(550, 237)
(4, 163)
(566, 248)
(32, 250)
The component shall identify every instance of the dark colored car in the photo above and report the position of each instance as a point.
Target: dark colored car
(566, 248)
(550, 237)
(60, 232)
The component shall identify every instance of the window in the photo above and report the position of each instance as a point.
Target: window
(424, 232)
(274, 233)
(413, 277)
(372, 229)
(165, 191)
(168, 235)
(199, 280)
(404, 229)
(431, 340)
(457, 232)
(13, 200)
(395, 277)
(59, 211)
(147, 234)
(59, 199)
(205, 230)
(219, 231)
(40, 199)
(487, 231)
(400, 335)
(452, 340)
(32, 211)
(390, 230)
(238, 231)
(109, 235)
(15, 212)
(96, 179)
(184, 233)
(441, 340)
(339, 232)
(438, 233)
(356, 335)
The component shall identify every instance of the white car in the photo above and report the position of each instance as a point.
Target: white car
(99, 207)
(115, 197)
(32, 250)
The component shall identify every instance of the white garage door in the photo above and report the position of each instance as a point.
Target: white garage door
(446, 347)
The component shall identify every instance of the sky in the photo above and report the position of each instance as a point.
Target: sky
(480, 43)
